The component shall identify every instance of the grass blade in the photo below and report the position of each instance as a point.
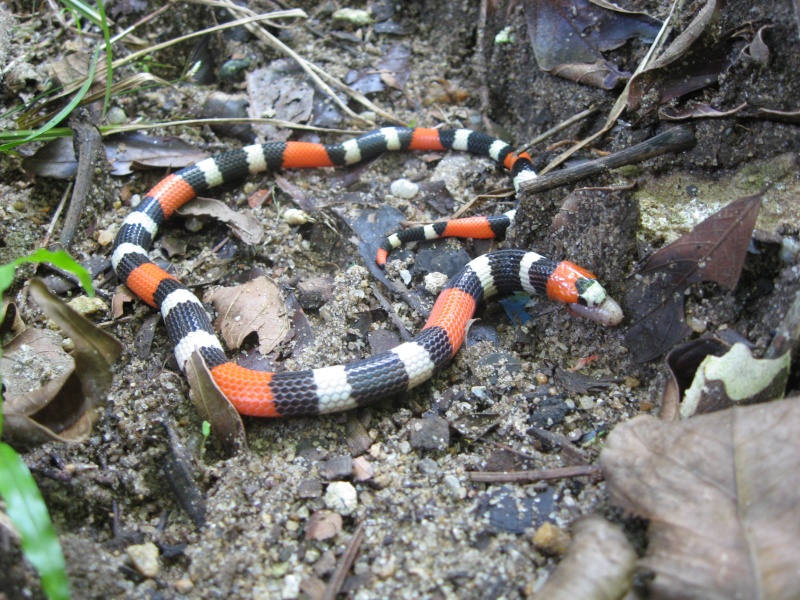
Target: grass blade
(27, 510)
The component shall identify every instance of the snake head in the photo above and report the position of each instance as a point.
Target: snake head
(595, 304)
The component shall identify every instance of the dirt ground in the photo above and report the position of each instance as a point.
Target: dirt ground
(429, 530)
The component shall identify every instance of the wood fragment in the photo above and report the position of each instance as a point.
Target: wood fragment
(536, 475)
(87, 148)
(674, 140)
(345, 563)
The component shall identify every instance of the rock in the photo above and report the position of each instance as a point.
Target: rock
(403, 188)
(341, 497)
(323, 525)
(430, 433)
(144, 558)
(549, 412)
(549, 539)
(362, 469)
(338, 467)
(428, 466)
(454, 487)
(85, 306)
(310, 488)
(434, 282)
(314, 292)
(291, 587)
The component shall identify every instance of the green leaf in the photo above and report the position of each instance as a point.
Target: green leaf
(60, 259)
(26, 509)
(65, 112)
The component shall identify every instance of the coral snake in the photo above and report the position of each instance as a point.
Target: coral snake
(358, 383)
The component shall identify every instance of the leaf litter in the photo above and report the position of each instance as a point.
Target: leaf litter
(713, 251)
(69, 402)
(720, 494)
(262, 484)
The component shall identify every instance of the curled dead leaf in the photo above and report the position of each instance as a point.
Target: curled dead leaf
(569, 37)
(721, 492)
(214, 407)
(736, 378)
(242, 223)
(713, 251)
(66, 406)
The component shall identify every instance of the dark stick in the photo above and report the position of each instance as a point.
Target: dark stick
(674, 140)
(345, 562)
(87, 146)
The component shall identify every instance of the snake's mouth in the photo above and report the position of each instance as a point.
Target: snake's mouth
(607, 313)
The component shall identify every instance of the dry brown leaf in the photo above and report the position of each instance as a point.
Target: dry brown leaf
(124, 151)
(11, 324)
(599, 564)
(569, 37)
(255, 307)
(65, 397)
(214, 407)
(722, 495)
(243, 224)
(714, 250)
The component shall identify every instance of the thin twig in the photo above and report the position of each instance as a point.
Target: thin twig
(480, 67)
(560, 127)
(313, 71)
(222, 121)
(56, 215)
(534, 476)
(345, 563)
(674, 140)
(395, 318)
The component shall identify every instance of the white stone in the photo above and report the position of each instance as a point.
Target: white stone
(403, 188)
(341, 497)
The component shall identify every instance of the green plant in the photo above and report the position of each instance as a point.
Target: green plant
(206, 433)
(25, 506)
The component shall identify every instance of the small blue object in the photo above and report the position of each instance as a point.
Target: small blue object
(514, 305)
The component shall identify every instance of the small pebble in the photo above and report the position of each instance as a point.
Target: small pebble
(549, 539)
(430, 433)
(428, 466)
(105, 237)
(696, 324)
(83, 305)
(323, 525)
(362, 469)
(313, 292)
(385, 568)
(310, 488)
(453, 486)
(193, 224)
(342, 498)
(434, 282)
(338, 467)
(144, 558)
(291, 587)
(403, 188)
(790, 248)
(116, 116)
(295, 216)
(354, 16)
(183, 585)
